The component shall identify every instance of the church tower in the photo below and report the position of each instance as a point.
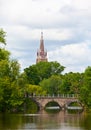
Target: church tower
(41, 53)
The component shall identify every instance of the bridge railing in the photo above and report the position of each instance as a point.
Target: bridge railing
(56, 96)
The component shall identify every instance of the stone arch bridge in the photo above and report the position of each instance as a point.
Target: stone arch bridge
(63, 100)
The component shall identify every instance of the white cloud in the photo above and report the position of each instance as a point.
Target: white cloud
(82, 4)
(75, 57)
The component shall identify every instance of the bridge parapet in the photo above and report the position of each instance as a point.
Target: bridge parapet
(53, 96)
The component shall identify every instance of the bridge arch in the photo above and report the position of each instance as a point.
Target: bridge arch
(53, 103)
(37, 103)
(75, 101)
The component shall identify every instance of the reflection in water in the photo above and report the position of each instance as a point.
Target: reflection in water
(45, 121)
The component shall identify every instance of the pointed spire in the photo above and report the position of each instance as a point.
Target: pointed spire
(41, 53)
(41, 42)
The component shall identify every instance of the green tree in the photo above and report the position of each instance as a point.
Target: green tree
(14, 70)
(2, 36)
(52, 85)
(32, 75)
(9, 75)
(65, 86)
(4, 54)
(85, 92)
(35, 90)
(71, 83)
(4, 68)
(23, 82)
(43, 70)
(9, 84)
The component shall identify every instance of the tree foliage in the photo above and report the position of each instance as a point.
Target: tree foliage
(4, 54)
(72, 82)
(85, 93)
(34, 90)
(2, 37)
(43, 70)
(52, 85)
(9, 73)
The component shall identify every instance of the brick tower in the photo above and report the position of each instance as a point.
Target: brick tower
(41, 53)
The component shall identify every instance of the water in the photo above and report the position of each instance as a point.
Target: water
(46, 121)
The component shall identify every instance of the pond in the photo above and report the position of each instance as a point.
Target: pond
(43, 120)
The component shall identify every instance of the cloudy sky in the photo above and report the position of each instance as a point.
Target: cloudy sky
(66, 26)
